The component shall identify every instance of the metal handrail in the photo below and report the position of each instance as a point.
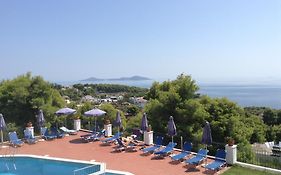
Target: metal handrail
(88, 170)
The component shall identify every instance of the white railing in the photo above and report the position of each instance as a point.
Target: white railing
(263, 160)
(93, 169)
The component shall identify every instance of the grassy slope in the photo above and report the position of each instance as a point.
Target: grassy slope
(237, 170)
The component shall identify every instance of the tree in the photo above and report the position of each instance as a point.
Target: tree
(134, 122)
(176, 98)
(111, 114)
(270, 117)
(179, 98)
(22, 97)
(133, 110)
(278, 121)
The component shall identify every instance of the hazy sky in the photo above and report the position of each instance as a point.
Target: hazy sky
(72, 40)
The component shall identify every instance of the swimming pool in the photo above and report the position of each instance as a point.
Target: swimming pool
(40, 165)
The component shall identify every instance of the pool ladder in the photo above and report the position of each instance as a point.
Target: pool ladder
(9, 157)
(96, 169)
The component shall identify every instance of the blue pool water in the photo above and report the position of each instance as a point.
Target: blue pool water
(37, 166)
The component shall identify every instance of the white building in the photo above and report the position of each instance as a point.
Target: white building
(139, 101)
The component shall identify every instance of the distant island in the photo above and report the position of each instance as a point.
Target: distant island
(133, 78)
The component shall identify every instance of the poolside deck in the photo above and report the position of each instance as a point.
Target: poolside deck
(71, 147)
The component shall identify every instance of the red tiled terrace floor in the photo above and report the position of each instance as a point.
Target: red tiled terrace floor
(71, 147)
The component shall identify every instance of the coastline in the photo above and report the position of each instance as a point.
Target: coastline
(259, 95)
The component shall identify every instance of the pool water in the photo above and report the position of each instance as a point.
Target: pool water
(38, 166)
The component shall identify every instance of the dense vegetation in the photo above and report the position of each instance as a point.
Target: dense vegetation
(272, 119)
(22, 97)
(77, 91)
(178, 98)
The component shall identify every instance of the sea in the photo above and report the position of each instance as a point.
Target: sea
(245, 95)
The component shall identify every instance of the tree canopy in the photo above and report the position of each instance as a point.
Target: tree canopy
(22, 97)
(179, 98)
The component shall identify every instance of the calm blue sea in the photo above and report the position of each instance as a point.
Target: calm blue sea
(254, 95)
(244, 95)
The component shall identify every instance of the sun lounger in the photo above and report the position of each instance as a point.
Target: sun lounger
(187, 146)
(28, 137)
(14, 140)
(68, 131)
(157, 145)
(56, 132)
(98, 136)
(112, 139)
(90, 134)
(122, 147)
(94, 136)
(167, 150)
(200, 156)
(219, 161)
(46, 134)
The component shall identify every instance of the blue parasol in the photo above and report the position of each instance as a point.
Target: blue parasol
(2, 127)
(118, 121)
(144, 123)
(95, 113)
(207, 135)
(172, 130)
(40, 118)
(65, 111)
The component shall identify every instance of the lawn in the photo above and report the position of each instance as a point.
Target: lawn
(240, 170)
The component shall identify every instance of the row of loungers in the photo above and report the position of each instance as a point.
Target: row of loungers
(160, 151)
(95, 136)
(45, 132)
(196, 160)
(53, 133)
(157, 149)
(116, 138)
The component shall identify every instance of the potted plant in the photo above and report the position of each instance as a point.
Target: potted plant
(106, 121)
(230, 141)
(76, 117)
(149, 128)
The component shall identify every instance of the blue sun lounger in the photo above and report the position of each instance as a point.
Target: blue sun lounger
(187, 146)
(90, 134)
(122, 147)
(200, 156)
(94, 136)
(219, 161)
(56, 132)
(167, 150)
(14, 140)
(68, 131)
(46, 134)
(157, 145)
(113, 138)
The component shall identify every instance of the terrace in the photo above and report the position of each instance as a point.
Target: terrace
(72, 147)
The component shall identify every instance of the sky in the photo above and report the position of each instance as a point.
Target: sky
(71, 40)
